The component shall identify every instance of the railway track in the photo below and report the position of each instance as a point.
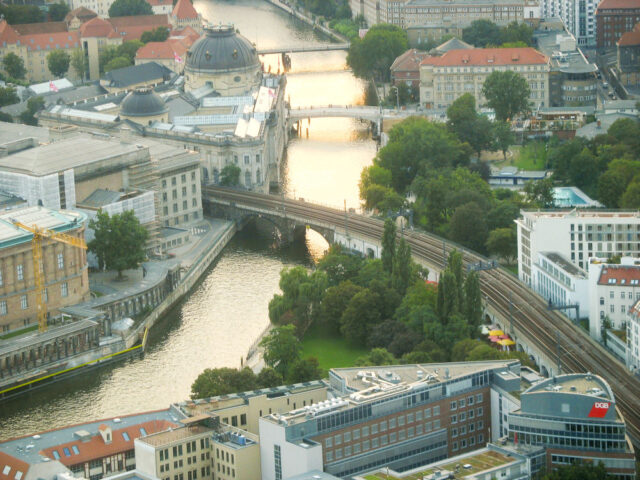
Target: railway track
(550, 332)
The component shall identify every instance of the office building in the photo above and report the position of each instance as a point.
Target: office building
(443, 79)
(575, 418)
(613, 19)
(400, 417)
(576, 235)
(64, 268)
(628, 57)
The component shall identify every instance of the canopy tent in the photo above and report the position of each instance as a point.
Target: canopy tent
(496, 333)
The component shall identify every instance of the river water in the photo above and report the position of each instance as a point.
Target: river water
(227, 311)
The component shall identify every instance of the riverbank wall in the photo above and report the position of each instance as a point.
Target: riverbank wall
(308, 20)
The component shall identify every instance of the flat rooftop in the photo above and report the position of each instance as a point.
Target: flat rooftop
(170, 436)
(582, 213)
(10, 132)
(563, 263)
(582, 384)
(57, 220)
(65, 154)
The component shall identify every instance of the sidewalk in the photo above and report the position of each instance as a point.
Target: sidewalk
(203, 237)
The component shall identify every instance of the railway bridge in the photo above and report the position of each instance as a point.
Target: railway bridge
(557, 345)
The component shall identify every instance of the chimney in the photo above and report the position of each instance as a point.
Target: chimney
(105, 433)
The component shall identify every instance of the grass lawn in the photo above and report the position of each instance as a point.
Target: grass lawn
(17, 333)
(512, 268)
(332, 351)
(531, 156)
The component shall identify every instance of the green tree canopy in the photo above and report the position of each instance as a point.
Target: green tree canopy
(374, 54)
(124, 8)
(14, 65)
(502, 243)
(58, 62)
(5, 117)
(507, 93)
(8, 96)
(360, 316)
(388, 244)
(579, 471)
(482, 33)
(517, 33)
(120, 241)
(281, 348)
(304, 370)
(221, 381)
(468, 226)
(57, 11)
(377, 356)
(17, 14)
(335, 302)
(502, 137)
(117, 62)
(230, 175)
(159, 34)
(539, 193)
(80, 63)
(467, 125)
(34, 105)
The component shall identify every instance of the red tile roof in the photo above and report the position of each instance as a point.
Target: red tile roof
(409, 61)
(82, 13)
(96, 448)
(44, 27)
(157, 3)
(164, 50)
(15, 466)
(488, 56)
(96, 27)
(631, 38)
(184, 9)
(7, 33)
(186, 32)
(51, 41)
(620, 276)
(152, 21)
(624, 4)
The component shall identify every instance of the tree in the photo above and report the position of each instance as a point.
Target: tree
(502, 243)
(281, 348)
(58, 62)
(448, 302)
(124, 8)
(129, 48)
(468, 226)
(503, 137)
(402, 266)
(159, 34)
(482, 33)
(339, 265)
(34, 105)
(334, 303)
(5, 117)
(221, 381)
(388, 244)
(118, 62)
(631, 196)
(17, 14)
(377, 357)
(454, 265)
(80, 63)
(374, 54)
(473, 302)
(304, 370)
(360, 316)
(507, 93)
(269, 378)
(57, 11)
(464, 121)
(119, 241)
(517, 33)
(230, 175)
(539, 193)
(14, 65)
(8, 96)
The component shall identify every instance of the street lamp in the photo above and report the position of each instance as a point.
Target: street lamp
(397, 97)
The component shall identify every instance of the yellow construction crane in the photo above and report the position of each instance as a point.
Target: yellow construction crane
(36, 248)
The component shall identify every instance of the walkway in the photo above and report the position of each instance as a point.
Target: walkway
(363, 112)
(298, 49)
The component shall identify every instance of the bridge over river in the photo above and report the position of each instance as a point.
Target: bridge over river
(361, 112)
(300, 49)
(549, 337)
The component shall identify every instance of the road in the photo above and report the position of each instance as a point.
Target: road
(548, 331)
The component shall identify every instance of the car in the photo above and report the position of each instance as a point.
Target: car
(605, 84)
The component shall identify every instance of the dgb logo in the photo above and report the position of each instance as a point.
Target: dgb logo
(599, 409)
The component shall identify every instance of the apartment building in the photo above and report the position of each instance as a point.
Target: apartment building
(613, 19)
(577, 15)
(577, 235)
(628, 57)
(394, 416)
(412, 13)
(633, 337)
(575, 418)
(443, 79)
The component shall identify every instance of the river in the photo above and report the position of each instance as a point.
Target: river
(227, 311)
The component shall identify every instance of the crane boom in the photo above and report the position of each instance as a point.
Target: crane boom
(36, 248)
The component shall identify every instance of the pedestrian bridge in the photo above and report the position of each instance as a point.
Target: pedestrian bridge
(301, 49)
(361, 112)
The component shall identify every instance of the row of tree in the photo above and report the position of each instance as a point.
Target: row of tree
(20, 14)
(484, 33)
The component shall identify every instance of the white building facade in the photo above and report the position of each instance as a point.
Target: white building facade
(633, 338)
(577, 235)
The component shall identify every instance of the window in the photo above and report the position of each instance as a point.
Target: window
(328, 442)
(479, 398)
(174, 194)
(173, 181)
(183, 177)
(479, 412)
(184, 191)
(64, 289)
(164, 183)
(337, 440)
(3, 307)
(20, 272)
(60, 257)
(427, 412)
(23, 302)
(436, 410)
(347, 437)
(454, 419)
(453, 405)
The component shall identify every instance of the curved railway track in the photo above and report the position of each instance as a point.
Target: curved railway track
(550, 332)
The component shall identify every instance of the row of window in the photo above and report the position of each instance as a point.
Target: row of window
(560, 441)
(24, 300)
(174, 193)
(20, 268)
(469, 401)
(185, 206)
(462, 429)
(471, 441)
(462, 416)
(174, 179)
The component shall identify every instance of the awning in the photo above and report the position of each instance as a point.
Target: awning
(506, 343)
(496, 333)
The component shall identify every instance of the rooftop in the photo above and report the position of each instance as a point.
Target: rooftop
(408, 61)
(62, 155)
(27, 448)
(488, 56)
(172, 435)
(578, 383)
(135, 74)
(184, 9)
(619, 275)
(583, 213)
(564, 264)
(10, 132)
(617, 4)
(631, 38)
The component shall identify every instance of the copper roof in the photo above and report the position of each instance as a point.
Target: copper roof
(488, 56)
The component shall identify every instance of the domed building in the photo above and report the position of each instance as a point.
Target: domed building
(223, 59)
(144, 106)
